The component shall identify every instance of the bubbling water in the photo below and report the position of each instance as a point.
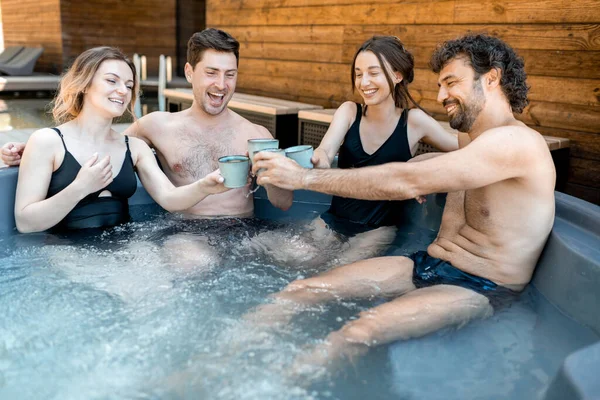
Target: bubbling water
(156, 310)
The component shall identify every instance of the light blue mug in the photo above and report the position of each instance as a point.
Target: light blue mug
(276, 151)
(234, 169)
(301, 154)
(255, 145)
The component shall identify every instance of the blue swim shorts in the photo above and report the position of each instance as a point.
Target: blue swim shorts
(429, 271)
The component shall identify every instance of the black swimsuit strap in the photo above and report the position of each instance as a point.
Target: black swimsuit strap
(61, 137)
(128, 152)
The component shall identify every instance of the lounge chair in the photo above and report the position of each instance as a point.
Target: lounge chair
(9, 53)
(22, 64)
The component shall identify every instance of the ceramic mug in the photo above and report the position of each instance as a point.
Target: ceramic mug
(255, 145)
(234, 169)
(276, 151)
(301, 154)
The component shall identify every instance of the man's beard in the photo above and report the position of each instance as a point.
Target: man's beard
(465, 115)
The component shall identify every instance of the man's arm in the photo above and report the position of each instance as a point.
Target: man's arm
(11, 153)
(148, 126)
(496, 155)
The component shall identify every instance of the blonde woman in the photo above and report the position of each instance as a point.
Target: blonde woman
(81, 173)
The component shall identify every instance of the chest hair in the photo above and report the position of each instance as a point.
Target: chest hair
(199, 152)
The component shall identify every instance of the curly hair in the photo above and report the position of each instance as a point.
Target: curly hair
(390, 50)
(69, 98)
(485, 52)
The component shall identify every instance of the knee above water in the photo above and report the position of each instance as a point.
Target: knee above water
(360, 332)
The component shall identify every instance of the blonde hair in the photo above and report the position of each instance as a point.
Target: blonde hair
(69, 98)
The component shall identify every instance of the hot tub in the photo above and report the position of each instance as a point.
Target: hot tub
(77, 325)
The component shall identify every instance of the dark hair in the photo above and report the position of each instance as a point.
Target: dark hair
(485, 52)
(211, 38)
(389, 49)
(68, 101)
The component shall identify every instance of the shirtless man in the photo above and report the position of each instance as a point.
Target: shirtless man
(190, 142)
(498, 215)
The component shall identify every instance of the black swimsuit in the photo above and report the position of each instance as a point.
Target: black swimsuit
(369, 214)
(94, 211)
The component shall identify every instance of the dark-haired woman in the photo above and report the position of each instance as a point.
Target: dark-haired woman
(387, 127)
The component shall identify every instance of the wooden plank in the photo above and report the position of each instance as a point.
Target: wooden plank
(324, 72)
(292, 97)
(562, 116)
(586, 193)
(307, 88)
(35, 23)
(436, 12)
(325, 116)
(584, 172)
(297, 52)
(531, 36)
(287, 34)
(130, 25)
(440, 12)
(582, 144)
(573, 117)
(550, 115)
(525, 36)
(528, 11)
(248, 102)
(574, 64)
(250, 4)
(584, 92)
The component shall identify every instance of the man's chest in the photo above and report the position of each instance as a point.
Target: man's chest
(192, 156)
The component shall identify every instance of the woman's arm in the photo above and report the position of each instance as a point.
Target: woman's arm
(423, 127)
(332, 141)
(161, 189)
(33, 212)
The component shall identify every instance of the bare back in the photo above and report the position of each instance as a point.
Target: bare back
(498, 231)
(188, 150)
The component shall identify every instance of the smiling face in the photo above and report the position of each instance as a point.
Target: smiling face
(213, 80)
(370, 78)
(111, 88)
(461, 94)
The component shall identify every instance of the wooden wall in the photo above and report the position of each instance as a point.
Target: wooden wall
(302, 49)
(34, 23)
(65, 28)
(191, 18)
(142, 26)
